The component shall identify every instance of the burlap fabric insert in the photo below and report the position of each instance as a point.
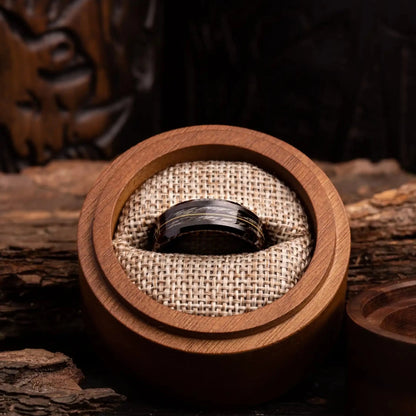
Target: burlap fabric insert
(215, 285)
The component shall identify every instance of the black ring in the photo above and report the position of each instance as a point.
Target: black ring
(208, 226)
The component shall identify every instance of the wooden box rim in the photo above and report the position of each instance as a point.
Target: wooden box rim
(141, 314)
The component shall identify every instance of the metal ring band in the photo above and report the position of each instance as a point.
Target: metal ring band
(208, 226)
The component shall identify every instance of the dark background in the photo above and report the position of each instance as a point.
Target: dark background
(335, 78)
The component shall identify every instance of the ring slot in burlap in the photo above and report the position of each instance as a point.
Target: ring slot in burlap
(215, 285)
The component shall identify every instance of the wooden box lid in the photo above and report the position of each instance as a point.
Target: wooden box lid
(382, 350)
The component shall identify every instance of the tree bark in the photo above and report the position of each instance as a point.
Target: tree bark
(40, 383)
(39, 212)
(383, 233)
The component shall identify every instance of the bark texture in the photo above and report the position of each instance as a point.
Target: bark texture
(37, 382)
(39, 211)
(383, 233)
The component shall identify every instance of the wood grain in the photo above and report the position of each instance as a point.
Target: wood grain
(42, 383)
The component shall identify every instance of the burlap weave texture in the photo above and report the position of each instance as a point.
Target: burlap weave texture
(215, 285)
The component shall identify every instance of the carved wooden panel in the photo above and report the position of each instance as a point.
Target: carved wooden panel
(70, 74)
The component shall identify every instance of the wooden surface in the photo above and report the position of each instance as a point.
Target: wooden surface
(40, 305)
(382, 350)
(72, 74)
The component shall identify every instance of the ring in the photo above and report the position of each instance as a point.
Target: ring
(208, 226)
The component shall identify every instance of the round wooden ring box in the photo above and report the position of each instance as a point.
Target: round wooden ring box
(382, 350)
(245, 358)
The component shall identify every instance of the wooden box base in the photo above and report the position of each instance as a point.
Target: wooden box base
(238, 359)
